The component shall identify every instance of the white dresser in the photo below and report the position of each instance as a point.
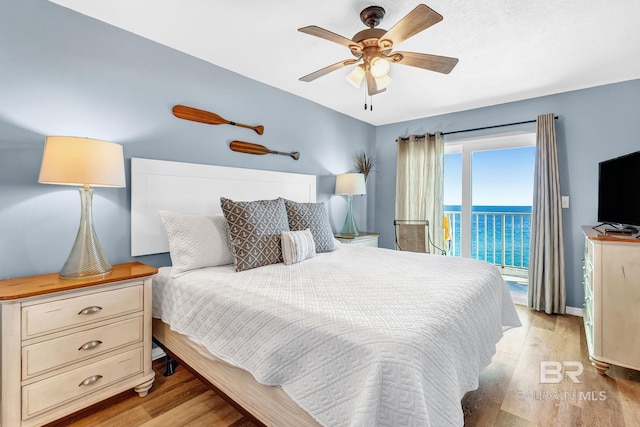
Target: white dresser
(365, 238)
(612, 299)
(67, 344)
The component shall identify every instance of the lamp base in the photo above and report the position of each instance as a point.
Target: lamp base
(86, 258)
(349, 229)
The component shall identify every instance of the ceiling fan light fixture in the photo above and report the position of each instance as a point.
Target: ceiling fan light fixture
(355, 77)
(379, 67)
(373, 49)
(383, 82)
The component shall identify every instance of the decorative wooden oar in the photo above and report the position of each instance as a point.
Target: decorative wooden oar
(250, 148)
(202, 116)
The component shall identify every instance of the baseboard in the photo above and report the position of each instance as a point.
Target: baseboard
(521, 299)
(574, 311)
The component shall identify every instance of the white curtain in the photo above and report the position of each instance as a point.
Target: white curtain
(546, 263)
(420, 182)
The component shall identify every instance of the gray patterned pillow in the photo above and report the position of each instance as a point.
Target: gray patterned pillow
(314, 217)
(254, 231)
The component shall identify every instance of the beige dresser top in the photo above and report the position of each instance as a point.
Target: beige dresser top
(592, 234)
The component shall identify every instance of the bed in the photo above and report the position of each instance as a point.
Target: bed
(354, 336)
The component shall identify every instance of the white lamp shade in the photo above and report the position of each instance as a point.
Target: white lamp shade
(350, 183)
(69, 160)
(355, 77)
(383, 82)
(379, 67)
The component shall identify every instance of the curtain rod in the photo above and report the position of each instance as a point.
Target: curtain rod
(482, 128)
(491, 127)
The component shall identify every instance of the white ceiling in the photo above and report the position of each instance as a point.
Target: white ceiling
(508, 49)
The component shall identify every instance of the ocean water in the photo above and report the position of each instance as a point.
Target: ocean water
(499, 234)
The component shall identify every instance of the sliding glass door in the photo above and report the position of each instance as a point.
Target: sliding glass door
(488, 195)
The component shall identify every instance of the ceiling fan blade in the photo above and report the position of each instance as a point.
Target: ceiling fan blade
(440, 64)
(326, 70)
(328, 35)
(419, 19)
(372, 86)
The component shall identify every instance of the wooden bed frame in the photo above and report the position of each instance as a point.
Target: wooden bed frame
(265, 405)
(196, 189)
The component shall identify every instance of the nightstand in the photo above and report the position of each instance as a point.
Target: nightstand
(67, 344)
(365, 238)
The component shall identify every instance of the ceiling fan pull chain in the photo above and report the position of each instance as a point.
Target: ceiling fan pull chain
(371, 103)
(365, 99)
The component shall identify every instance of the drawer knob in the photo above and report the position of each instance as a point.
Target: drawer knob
(90, 310)
(90, 345)
(90, 381)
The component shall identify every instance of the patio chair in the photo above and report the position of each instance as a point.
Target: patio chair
(413, 236)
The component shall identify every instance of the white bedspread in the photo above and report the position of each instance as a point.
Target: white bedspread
(357, 337)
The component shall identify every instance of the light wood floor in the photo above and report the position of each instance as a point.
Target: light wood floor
(510, 392)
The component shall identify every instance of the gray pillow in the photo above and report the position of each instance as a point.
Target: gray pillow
(314, 217)
(254, 231)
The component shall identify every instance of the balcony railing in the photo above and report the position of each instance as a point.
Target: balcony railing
(501, 238)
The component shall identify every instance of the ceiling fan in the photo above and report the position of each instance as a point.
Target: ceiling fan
(372, 48)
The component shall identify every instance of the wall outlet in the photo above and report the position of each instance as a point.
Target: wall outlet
(565, 202)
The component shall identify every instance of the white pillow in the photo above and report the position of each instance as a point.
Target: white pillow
(196, 241)
(297, 246)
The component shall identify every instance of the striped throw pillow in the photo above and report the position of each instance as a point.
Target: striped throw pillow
(297, 246)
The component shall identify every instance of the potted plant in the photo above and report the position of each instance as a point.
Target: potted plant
(364, 163)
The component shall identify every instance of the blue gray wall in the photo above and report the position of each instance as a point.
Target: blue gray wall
(62, 73)
(594, 125)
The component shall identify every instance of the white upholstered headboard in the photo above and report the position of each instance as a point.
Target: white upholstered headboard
(196, 189)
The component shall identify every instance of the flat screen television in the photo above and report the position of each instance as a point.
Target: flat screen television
(618, 190)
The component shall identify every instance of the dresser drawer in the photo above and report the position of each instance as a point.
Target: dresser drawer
(588, 288)
(588, 251)
(60, 389)
(75, 311)
(587, 317)
(588, 331)
(587, 313)
(587, 272)
(44, 356)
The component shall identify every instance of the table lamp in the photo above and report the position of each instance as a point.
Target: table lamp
(348, 184)
(87, 163)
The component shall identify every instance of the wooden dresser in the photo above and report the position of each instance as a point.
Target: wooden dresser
(612, 299)
(67, 344)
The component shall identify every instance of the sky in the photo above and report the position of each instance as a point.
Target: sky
(499, 177)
